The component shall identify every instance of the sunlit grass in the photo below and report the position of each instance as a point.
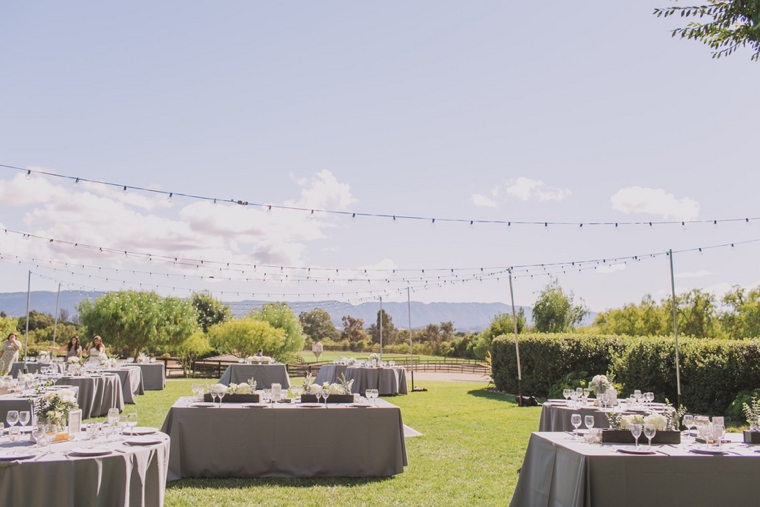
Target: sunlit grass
(473, 443)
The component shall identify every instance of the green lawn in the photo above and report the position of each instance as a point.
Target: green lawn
(473, 443)
(330, 355)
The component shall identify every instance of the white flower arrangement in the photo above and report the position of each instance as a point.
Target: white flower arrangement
(373, 357)
(142, 358)
(239, 389)
(54, 406)
(659, 421)
(219, 388)
(43, 356)
(73, 360)
(628, 420)
(599, 384)
(26, 377)
(315, 388)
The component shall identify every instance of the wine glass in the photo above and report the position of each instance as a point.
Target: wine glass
(221, 391)
(325, 394)
(649, 397)
(113, 415)
(212, 392)
(132, 422)
(566, 393)
(38, 433)
(372, 395)
(575, 420)
(588, 421)
(108, 428)
(23, 417)
(92, 434)
(586, 393)
(195, 388)
(637, 395)
(12, 418)
(636, 432)
(51, 430)
(649, 432)
(122, 424)
(688, 421)
(318, 393)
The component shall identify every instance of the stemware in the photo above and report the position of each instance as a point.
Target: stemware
(132, 422)
(372, 395)
(220, 393)
(588, 421)
(649, 432)
(38, 433)
(23, 417)
(51, 430)
(318, 393)
(636, 432)
(688, 421)
(649, 397)
(586, 393)
(108, 428)
(719, 431)
(113, 415)
(325, 394)
(92, 433)
(566, 393)
(12, 418)
(575, 420)
(212, 392)
(122, 424)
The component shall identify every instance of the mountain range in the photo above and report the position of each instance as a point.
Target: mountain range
(465, 316)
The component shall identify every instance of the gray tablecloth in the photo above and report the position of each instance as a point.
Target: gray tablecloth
(96, 394)
(154, 376)
(387, 380)
(285, 441)
(10, 402)
(131, 382)
(132, 477)
(265, 375)
(17, 368)
(560, 472)
(555, 416)
(330, 373)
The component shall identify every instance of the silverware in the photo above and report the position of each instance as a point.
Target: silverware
(662, 452)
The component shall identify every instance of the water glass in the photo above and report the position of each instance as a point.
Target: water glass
(649, 432)
(575, 420)
(51, 430)
(636, 432)
(92, 433)
(588, 421)
(122, 424)
(132, 421)
(38, 433)
(108, 428)
(719, 431)
(12, 417)
(688, 421)
(113, 415)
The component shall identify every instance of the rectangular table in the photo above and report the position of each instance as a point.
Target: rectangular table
(131, 382)
(265, 375)
(18, 367)
(330, 373)
(387, 380)
(558, 471)
(283, 440)
(556, 414)
(96, 394)
(154, 376)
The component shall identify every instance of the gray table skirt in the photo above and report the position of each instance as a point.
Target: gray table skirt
(96, 394)
(265, 375)
(555, 416)
(131, 382)
(154, 376)
(17, 368)
(10, 402)
(387, 380)
(330, 373)
(135, 477)
(285, 441)
(560, 472)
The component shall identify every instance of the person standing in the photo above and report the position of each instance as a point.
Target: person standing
(97, 350)
(10, 349)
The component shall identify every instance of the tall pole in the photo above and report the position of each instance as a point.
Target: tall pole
(675, 325)
(57, 300)
(26, 346)
(517, 342)
(411, 349)
(381, 327)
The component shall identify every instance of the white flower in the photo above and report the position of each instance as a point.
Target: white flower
(315, 388)
(659, 421)
(243, 389)
(73, 360)
(335, 389)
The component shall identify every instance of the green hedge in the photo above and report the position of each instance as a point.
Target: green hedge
(713, 372)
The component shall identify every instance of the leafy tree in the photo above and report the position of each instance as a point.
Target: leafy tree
(554, 311)
(646, 319)
(191, 348)
(731, 24)
(244, 337)
(137, 321)
(37, 320)
(280, 316)
(210, 310)
(447, 331)
(389, 330)
(353, 329)
(7, 326)
(501, 324)
(697, 315)
(742, 316)
(317, 325)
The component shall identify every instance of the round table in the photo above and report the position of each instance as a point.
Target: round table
(97, 393)
(127, 476)
(131, 382)
(387, 380)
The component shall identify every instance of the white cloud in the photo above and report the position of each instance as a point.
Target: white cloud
(525, 189)
(481, 200)
(697, 274)
(610, 268)
(93, 215)
(654, 201)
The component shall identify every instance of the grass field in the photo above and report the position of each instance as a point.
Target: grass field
(329, 356)
(472, 446)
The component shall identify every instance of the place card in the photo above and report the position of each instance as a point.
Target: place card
(75, 422)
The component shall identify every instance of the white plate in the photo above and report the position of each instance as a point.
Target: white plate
(359, 405)
(140, 430)
(636, 451)
(311, 405)
(14, 457)
(203, 404)
(95, 451)
(256, 405)
(144, 441)
(710, 452)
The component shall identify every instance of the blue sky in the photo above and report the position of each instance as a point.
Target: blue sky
(477, 110)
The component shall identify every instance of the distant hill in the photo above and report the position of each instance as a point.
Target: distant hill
(465, 316)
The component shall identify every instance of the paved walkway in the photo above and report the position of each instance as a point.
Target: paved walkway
(456, 377)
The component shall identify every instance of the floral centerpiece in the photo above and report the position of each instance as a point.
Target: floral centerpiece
(338, 392)
(142, 358)
(53, 407)
(240, 389)
(307, 382)
(666, 422)
(599, 384)
(43, 357)
(752, 412)
(235, 393)
(74, 360)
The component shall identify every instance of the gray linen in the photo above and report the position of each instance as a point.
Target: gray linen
(556, 416)
(330, 373)
(17, 368)
(265, 375)
(560, 472)
(387, 380)
(96, 394)
(285, 441)
(133, 478)
(12, 402)
(154, 376)
(131, 382)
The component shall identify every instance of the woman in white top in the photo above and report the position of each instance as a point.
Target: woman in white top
(97, 350)
(10, 349)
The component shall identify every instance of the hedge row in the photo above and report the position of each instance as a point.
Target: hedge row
(713, 372)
